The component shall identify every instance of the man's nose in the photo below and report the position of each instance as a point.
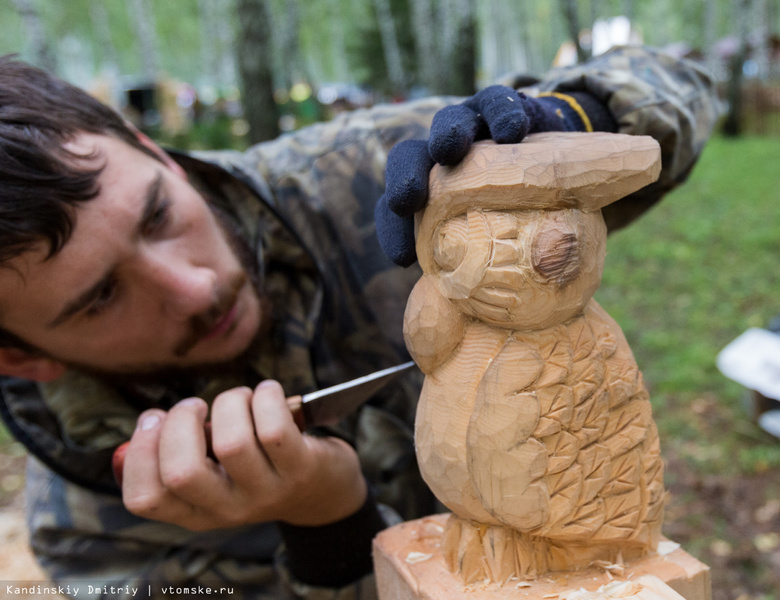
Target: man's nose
(186, 289)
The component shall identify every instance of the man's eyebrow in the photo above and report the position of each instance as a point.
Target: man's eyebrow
(83, 300)
(80, 302)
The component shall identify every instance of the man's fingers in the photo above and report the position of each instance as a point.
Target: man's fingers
(453, 131)
(185, 469)
(140, 471)
(143, 492)
(407, 171)
(276, 430)
(395, 234)
(504, 112)
(234, 441)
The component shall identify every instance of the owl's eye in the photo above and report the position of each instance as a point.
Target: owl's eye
(451, 243)
(556, 255)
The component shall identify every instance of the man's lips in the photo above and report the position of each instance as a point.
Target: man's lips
(217, 320)
(223, 324)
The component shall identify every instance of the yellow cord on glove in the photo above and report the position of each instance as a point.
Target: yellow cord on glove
(574, 104)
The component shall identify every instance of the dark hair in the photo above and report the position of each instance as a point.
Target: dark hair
(41, 181)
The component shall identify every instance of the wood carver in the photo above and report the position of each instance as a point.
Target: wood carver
(534, 426)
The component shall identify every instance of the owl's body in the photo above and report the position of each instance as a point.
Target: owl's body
(565, 448)
(534, 426)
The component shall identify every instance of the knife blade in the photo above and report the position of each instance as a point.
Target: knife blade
(328, 405)
(323, 407)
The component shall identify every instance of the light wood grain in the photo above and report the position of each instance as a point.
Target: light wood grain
(534, 426)
(410, 566)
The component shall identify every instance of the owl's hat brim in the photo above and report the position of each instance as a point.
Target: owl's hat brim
(548, 171)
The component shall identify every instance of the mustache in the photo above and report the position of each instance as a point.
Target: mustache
(201, 325)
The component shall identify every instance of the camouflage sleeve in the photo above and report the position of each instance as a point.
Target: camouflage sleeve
(648, 93)
(92, 547)
(345, 155)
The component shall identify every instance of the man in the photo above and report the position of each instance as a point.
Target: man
(144, 293)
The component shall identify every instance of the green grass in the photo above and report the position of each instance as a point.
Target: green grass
(689, 277)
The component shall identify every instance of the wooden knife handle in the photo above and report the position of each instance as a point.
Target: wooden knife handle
(296, 408)
(118, 459)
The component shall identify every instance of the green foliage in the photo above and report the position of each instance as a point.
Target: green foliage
(688, 278)
(5, 436)
(179, 38)
(211, 134)
(366, 54)
(524, 34)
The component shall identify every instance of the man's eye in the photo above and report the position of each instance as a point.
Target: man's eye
(104, 299)
(158, 218)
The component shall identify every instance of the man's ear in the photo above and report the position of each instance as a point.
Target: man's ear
(20, 363)
(147, 142)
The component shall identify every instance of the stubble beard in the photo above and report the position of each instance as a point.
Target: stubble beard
(200, 325)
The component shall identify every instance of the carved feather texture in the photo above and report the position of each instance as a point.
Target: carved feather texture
(534, 426)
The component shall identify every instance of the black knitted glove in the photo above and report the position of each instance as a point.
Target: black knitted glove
(497, 112)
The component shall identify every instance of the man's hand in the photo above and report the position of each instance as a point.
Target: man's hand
(267, 470)
(498, 113)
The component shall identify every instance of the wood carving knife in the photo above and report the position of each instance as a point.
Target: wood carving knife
(314, 409)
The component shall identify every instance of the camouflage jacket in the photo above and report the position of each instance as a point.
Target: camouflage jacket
(304, 203)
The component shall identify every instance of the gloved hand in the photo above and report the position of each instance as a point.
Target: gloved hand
(497, 112)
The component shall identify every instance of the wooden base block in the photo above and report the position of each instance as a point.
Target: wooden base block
(410, 566)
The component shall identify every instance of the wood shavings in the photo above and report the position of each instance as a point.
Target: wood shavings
(613, 590)
(648, 587)
(611, 569)
(417, 557)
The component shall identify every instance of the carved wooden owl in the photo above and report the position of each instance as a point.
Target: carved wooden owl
(534, 426)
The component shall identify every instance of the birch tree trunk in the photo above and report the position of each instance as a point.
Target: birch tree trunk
(340, 65)
(98, 15)
(456, 22)
(446, 27)
(209, 44)
(595, 11)
(227, 41)
(217, 40)
(569, 8)
(142, 17)
(254, 65)
(535, 63)
(463, 49)
(36, 35)
(390, 46)
(732, 126)
(772, 20)
(761, 29)
(709, 19)
(290, 41)
(492, 40)
(425, 43)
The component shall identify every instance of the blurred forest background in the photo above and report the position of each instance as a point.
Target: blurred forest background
(683, 281)
(226, 72)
